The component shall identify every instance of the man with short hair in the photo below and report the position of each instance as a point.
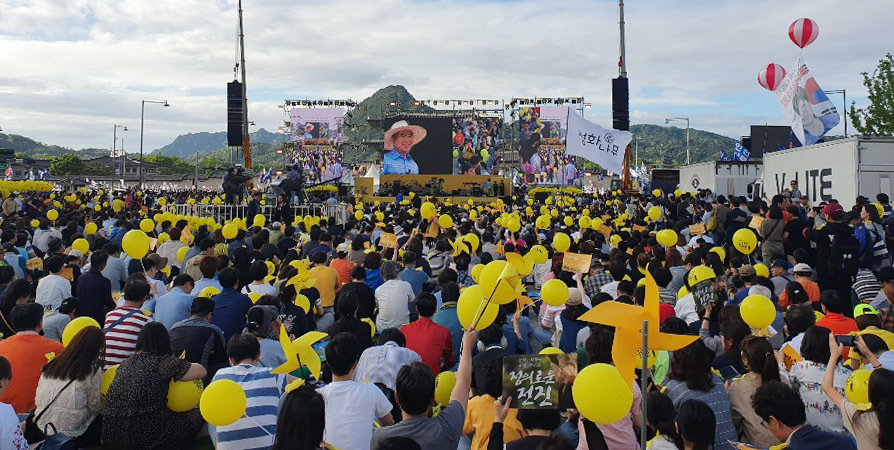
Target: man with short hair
(208, 269)
(783, 413)
(123, 324)
(366, 298)
(27, 352)
(393, 298)
(230, 305)
(115, 270)
(94, 290)
(415, 394)
(379, 364)
(202, 341)
(779, 277)
(834, 318)
(263, 389)
(351, 406)
(53, 288)
(191, 264)
(416, 278)
(804, 276)
(431, 341)
(174, 306)
(54, 323)
(326, 284)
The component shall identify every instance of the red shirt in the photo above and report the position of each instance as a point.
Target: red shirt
(431, 341)
(343, 268)
(838, 324)
(27, 353)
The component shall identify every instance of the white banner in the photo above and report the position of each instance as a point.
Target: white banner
(807, 108)
(599, 145)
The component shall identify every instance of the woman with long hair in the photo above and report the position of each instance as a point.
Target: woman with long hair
(695, 423)
(301, 420)
(807, 376)
(690, 378)
(17, 293)
(136, 415)
(759, 360)
(870, 427)
(661, 418)
(68, 391)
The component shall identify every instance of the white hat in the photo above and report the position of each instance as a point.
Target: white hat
(802, 268)
(419, 133)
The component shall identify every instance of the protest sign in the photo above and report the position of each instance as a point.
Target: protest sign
(539, 381)
(34, 264)
(704, 293)
(756, 222)
(698, 229)
(576, 262)
(388, 240)
(790, 356)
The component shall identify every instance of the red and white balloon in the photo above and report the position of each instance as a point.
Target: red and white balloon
(770, 76)
(803, 32)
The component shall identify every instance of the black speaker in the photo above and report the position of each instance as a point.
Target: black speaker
(235, 114)
(620, 104)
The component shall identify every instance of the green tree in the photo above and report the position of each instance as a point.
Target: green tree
(170, 165)
(877, 119)
(67, 165)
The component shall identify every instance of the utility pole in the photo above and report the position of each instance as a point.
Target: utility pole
(196, 184)
(246, 140)
(621, 97)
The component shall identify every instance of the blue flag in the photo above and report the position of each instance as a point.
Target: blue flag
(740, 153)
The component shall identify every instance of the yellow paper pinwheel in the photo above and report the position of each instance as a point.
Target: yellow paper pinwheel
(300, 352)
(628, 323)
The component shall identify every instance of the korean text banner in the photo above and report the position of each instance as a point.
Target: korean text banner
(807, 108)
(599, 145)
(317, 126)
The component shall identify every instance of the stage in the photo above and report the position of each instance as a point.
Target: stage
(478, 188)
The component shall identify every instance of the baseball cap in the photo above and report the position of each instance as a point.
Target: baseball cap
(863, 308)
(831, 207)
(803, 268)
(72, 303)
(747, 270)
(781, 263)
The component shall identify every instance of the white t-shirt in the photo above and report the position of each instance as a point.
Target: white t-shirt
(11, 437)
(263, 289)
(351, 408)
(610, 289)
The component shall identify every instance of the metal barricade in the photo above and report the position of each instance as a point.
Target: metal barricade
(223, 213)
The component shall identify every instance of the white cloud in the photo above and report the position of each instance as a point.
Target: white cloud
(73, 68)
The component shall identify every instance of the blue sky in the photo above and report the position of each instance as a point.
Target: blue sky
(73, 68)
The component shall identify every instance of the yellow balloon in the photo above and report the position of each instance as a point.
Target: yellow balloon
(229, 231)
(615, 239)
(473, 241)
(554, 292)
(107, 377)
(596, 223)
(428, 210)
(667, 238)
(762, 270)
(184, 395)
(757, 311)
(81, 245)
(561, 242)
(222, 403)
(259, 220)
(52, 214)
(90, 228)
(654, 213)
(163, 237)
(181, 253)
(721, 252)
(682, 292)
(473, 215)
(857, 386)
(470, 302)
(584, 222)
(445, 221)
(75, 326)
(543, 222)
(444, 384)
(699, 274)
(551, 351)
(358, 215)
(163, 201)
(540, 254)
(513, 224)
(147, 225)
(554, 213)
(656, 193)
(601, 394)
(135, 244)
(476, 272)
(209, 292)
(35, 223)
(499, 278)
(745, 241)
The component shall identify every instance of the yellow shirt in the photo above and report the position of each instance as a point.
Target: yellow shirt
(480, 419)
(326, 283)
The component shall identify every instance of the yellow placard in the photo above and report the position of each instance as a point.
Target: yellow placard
(117, 296)
(790, 356)
(34, 264)
(576, 262)
(67, 273)
(606, 217)
(605, 230)
(756, 222)
(639, 228)
(698, 229)
(388, 240)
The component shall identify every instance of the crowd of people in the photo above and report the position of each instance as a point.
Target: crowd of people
(471, 137)
(210, 303)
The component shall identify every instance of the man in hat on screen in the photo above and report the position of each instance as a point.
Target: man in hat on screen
(400, 139)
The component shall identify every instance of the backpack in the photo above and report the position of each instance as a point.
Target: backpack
(712, 221)
(844, 254)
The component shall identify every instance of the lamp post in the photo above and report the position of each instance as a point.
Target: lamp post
(142, 121)
(667, 121)
(115, 143)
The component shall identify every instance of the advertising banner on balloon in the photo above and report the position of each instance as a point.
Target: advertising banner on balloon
(807, 108)
(542, 133)
(600, 145)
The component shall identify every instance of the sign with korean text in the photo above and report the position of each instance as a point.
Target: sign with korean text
(34, 264)
(388, 240)
(539, 381)
(576, 262)
(698, 229)
(600, 145)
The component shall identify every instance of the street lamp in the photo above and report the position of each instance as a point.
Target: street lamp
(142, 119)
(115, 143)
(667, 121)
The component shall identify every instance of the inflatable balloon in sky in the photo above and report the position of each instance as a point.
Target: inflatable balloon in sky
(803, 32)
(770, 76)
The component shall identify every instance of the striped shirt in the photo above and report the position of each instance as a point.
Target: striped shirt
(121, 340)
(263, 390)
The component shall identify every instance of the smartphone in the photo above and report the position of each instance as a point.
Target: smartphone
(728, 373)
(846, 340)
